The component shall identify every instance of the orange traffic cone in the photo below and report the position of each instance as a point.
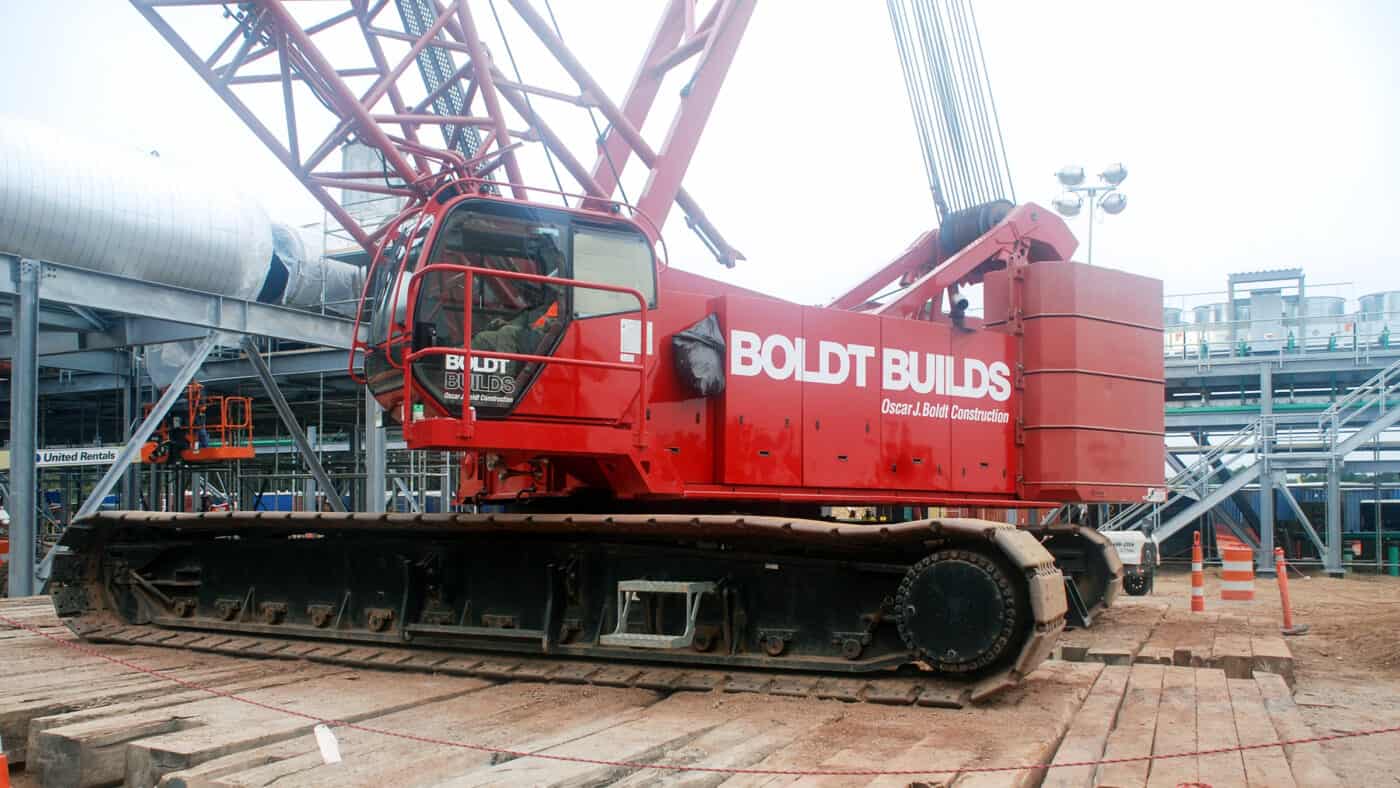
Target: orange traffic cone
(4, 768)
(1281, 570)
(1198, 576)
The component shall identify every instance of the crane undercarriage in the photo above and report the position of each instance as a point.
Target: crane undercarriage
(953, 598)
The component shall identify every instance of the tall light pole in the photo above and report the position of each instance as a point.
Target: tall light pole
(1112, 201)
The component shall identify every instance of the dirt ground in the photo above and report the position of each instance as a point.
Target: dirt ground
(1348, 663)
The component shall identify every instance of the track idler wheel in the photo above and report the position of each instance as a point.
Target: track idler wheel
(961, 611)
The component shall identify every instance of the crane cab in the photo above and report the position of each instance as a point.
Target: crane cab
(514, 277)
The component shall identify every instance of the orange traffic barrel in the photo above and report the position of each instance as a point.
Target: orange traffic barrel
(1236, 569)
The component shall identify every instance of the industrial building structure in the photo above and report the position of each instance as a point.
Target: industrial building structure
(1270, 410)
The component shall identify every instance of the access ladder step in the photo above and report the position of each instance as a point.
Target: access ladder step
(639, 640)
(665, 586)
(630, 590)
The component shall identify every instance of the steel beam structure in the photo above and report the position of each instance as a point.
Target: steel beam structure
(123, 332)
(298, 362)
(1303, 520)
(402, 487)
(132, 450)
(24, 407)
(1332, 559)
(284, 411)
(122, 295)
(376, 458)
(50, 317)
(1208, 502)
(79, 384)
(131, 412)
(1264, 556)
(1184, 374)
(308, 485)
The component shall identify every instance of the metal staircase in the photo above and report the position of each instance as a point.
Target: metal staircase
(1380, 393)
(1198, 482)
(1242, 458)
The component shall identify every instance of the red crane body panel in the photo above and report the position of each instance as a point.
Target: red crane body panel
(1056, 399)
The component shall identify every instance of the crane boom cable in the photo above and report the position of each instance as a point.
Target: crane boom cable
(950, 99)
(979, 106)
(931, 97)
(946, 99)
(518, 78)
(921, 121)
(592, 116)
(992, 101)
(959, 115)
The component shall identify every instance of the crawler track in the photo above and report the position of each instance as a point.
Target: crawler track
(803, 607)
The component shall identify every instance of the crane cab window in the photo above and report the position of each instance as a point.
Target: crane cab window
(611, 258)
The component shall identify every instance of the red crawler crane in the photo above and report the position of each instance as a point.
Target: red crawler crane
(651, 449)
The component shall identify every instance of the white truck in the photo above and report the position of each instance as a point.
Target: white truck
(1138, 551)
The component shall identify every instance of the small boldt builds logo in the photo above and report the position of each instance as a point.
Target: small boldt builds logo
(494, 366)
(491, 383)
(780, 358)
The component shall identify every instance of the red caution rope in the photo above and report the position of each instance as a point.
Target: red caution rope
(132, 666)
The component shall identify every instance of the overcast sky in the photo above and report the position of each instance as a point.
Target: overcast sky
(1257, 135)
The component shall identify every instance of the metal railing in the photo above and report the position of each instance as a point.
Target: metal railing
(1379, 389)
(1357, 334)
(1190, 480)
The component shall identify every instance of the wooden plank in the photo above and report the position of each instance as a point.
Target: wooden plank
(1155, 654)
(1272, 655)
(1232, 651)
(1176, 730)
(1088, 733)
(866, 736)
(1195, 635)
(1264, 766)
(142, 746)
(1047, 702)
(88, 688)
(241, 679)
(513, 716)
(1137, 725)
(741, 742)
(1113, 652)
(655, 732)
(1307, 761)
(948, 751)
(1215, 728)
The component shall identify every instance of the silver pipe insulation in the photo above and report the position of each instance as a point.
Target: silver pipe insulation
(117, 210)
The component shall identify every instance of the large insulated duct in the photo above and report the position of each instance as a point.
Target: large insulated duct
(120, 211)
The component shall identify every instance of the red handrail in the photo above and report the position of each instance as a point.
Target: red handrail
(468, 416)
